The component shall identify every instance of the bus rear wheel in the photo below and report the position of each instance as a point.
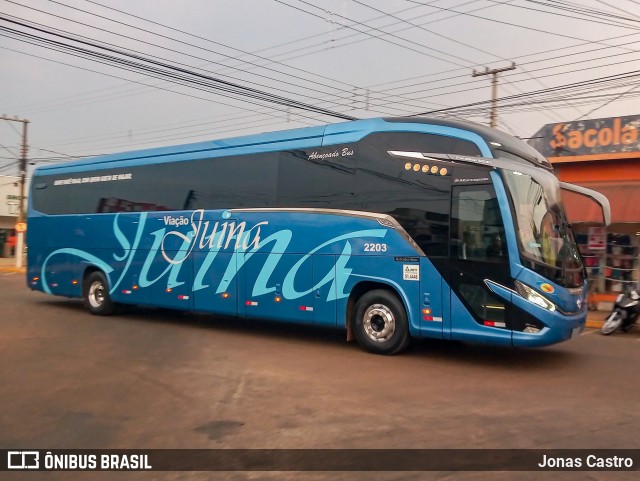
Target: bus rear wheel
(380, 324)
(96, 295)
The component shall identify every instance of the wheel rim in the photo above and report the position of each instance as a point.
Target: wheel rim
(379, 323)
(612, 323)
(96, 294)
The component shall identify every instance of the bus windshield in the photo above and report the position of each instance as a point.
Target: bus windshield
(544, 236)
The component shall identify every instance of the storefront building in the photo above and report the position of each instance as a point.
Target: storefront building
(603, 155)
(9, 209)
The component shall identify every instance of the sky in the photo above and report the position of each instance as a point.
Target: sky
(95, 77)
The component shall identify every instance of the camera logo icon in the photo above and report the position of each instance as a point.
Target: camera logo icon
(23, 460)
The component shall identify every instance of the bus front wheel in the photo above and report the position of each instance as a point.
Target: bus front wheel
(380, 323)
(96, 295)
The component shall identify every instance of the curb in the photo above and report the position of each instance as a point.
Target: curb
(592, 324)
(16, 270)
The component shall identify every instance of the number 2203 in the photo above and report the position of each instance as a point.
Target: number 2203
(375, 247)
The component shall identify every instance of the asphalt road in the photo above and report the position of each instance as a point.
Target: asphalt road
(159, 379)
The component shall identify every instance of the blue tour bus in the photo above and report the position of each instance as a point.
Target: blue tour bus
(388, 228)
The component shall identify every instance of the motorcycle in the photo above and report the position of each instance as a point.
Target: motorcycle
(625, 313)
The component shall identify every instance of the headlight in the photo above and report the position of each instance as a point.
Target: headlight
(534, 296)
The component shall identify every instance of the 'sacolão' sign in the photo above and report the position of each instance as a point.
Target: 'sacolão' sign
(613, 135)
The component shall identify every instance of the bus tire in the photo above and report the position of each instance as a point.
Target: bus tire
(380, 324)
(96, 295)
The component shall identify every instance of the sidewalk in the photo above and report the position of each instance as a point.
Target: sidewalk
(594, 318)
(8, 264)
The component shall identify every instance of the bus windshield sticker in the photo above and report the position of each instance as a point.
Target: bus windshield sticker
(411, 272)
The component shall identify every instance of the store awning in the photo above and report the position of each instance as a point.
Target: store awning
(624, 198)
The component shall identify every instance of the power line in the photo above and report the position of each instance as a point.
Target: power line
(493, 116)
(141, 63)
(138, 29)
(244, 52)
(580, 13)
(494, 89)
(421, 52)
(421, 27)
(562, 88)
(179, 41)
(65, 34)
(533, 29)
(330, 95)
(162, 88)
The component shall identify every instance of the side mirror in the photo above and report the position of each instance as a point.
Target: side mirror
(593, 195)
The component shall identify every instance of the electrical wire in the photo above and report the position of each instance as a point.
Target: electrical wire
(165, 70)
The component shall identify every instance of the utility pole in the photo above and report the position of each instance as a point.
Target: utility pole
(494, 89)
(23, 178)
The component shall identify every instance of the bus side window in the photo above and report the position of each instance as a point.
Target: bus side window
(477, 231)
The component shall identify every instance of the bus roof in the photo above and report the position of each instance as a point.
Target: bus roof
(486, 138)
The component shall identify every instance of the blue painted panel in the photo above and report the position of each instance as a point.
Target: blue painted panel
(287, 292)
(324, 267)
(177, 291)
(57, 276)
(446, 309)
(125, 278)
(215, 284)
(431, 286)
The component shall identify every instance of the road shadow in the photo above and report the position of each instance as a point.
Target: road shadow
(504, 357)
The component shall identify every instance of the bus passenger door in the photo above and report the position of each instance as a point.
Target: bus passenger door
(478, 252)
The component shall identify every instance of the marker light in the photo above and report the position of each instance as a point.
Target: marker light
(495, 324)
(225, 295)
(408, 166)
(534, 296)
(278, 299)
